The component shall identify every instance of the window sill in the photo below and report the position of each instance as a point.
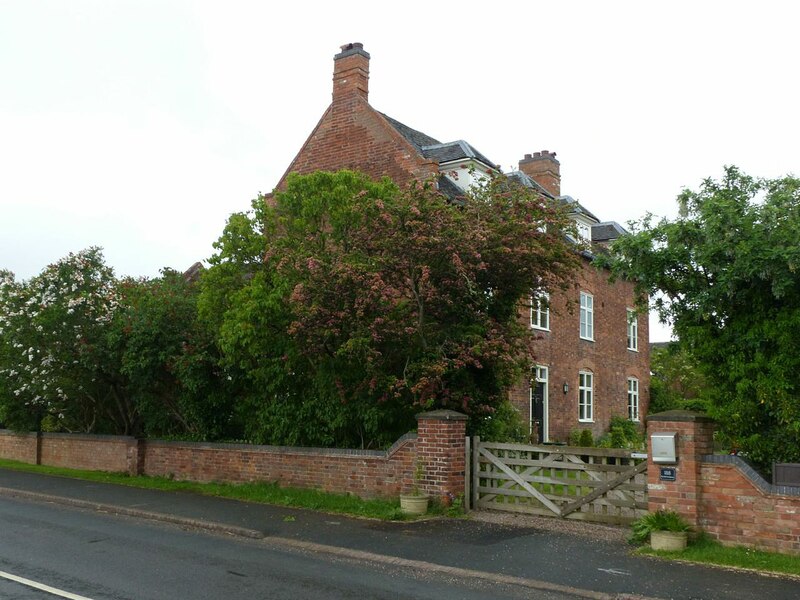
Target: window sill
(633, 350)
(585, 420)
(537, 328)
(585, 339)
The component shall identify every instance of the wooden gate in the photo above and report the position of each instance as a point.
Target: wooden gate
(606, 485)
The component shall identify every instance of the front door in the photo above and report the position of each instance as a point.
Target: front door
(538, 406)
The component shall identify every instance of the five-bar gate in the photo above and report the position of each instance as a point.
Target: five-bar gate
(606, 485)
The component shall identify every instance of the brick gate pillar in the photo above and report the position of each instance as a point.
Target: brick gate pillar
(441, 447)
(695, 438)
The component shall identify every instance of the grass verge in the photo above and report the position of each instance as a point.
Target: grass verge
(265, 493)
(708, 551)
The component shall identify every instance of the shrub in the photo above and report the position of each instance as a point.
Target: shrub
(505, 425)
(586, 439)
(661, 520)
(575, 437)
(622, 433)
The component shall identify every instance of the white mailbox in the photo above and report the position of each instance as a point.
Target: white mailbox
(663, 445)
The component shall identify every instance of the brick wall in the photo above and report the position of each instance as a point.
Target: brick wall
(73, 451)
(736, 510)
(439, 447)
(90, 452)
(607, 357)
(19, 446)
(361, 472)
(722, 495)
(694, 440)
(353, 135)
(441, 450)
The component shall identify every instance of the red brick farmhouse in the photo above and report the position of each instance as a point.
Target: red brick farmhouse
(593, 361)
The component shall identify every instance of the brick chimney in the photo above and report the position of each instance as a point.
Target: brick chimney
(544, 169)
(351, 72)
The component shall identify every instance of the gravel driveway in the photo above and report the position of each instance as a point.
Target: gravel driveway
(596, 531)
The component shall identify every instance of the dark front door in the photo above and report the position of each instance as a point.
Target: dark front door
(537, 412)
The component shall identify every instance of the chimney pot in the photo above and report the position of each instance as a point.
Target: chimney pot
(527, 156)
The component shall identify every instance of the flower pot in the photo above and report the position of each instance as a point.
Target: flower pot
(672, 541)
(413, 505)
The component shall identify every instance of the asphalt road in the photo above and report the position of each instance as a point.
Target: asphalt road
(103, 557)
(229, 550)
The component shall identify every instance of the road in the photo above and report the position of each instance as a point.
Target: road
(69, 534)
(103, 557)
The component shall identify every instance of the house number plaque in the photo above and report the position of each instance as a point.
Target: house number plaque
(667, 473)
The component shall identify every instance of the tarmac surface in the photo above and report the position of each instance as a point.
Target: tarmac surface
(517, 553)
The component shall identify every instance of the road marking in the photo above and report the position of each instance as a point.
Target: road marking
(614, 571)
(42, 587)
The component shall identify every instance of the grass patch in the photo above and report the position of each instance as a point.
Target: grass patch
(708, 551)
(265, 493)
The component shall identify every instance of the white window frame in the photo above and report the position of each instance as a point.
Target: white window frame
(633, 399)
(540, 311)
(633, 330)
(587, 317)
(584, 231)
(586, 397)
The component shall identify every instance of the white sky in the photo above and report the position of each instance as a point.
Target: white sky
(140, 126)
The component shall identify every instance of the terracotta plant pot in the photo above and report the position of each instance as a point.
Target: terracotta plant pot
(413, 505)
(671, 541)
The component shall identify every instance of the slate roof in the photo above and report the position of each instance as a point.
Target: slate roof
(451, 151)
(610, 230)
(527, 181)
(578, 207)
(449, 189)
(414, 137)
(432, 148)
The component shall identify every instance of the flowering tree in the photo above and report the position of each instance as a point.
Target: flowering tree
(83, 351)
(373, 303)
(53, 357)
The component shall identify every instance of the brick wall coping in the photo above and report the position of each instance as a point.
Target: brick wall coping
(442, 415)
(682, 416)
(18, 433)
(752, 475)
(90, 437)
(354, 452)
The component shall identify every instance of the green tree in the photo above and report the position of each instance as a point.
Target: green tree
(725, 274)
(676, 381)
(368, 303)
(169, 361)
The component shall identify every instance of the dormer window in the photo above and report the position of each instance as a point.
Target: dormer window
(584, 231)
(584, 220)
(466, 174)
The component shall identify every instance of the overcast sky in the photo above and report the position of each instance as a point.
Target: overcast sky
(140, 126)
